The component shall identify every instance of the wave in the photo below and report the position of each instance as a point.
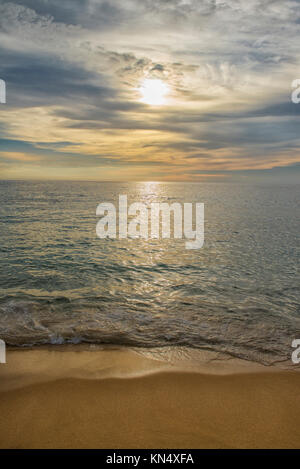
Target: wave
(61, 321)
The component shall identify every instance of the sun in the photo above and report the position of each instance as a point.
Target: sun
(153, 91)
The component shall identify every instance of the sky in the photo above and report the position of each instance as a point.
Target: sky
(76, 72)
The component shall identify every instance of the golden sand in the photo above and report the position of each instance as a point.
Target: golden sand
(120, 399)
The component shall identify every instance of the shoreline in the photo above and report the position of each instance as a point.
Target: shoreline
(111, 397)
(31, 365)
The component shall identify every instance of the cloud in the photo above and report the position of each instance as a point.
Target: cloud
(73, 70)
(19, 157)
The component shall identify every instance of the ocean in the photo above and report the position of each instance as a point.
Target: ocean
(239, 294)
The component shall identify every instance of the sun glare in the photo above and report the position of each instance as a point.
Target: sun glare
(153, 92)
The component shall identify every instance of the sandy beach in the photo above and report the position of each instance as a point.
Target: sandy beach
(117, 398)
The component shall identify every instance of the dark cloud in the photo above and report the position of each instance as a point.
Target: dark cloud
(33, 80)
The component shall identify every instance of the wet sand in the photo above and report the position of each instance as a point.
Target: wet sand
(53, 398)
